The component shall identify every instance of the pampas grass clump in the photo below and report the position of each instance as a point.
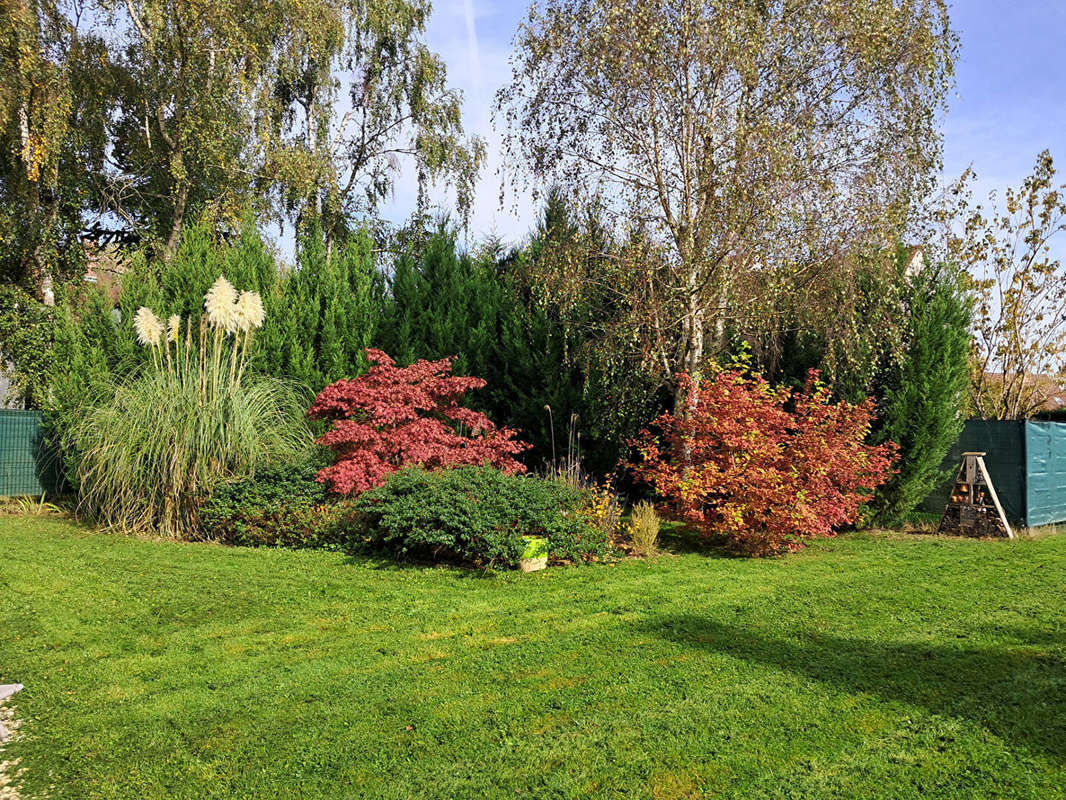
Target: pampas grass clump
(150, 449)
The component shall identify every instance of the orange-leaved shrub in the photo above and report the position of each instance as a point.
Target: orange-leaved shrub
(765, 466)
(394, 417)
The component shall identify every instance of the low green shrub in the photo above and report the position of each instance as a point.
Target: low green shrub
(476, 515)
(279, 507)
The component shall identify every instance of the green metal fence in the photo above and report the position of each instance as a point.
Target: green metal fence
(27, 466)
(1026, 462)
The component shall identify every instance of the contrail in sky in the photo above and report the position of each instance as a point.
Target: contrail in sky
(471, 34)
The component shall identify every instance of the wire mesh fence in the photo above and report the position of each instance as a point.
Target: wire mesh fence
(27, 465)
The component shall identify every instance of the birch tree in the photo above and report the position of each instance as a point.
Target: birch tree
(759, 142)
(191, 77)
(51, 124)
(360, 101)
(203, 109)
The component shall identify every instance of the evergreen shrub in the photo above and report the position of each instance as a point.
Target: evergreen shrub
(280, 506)
(476, 516)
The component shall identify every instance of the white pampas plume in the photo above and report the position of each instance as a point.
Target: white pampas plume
(220, 305)
(173, 328)
(250, 313)
(149, 328)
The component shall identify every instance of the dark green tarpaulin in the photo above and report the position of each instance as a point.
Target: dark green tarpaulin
(1026, 462)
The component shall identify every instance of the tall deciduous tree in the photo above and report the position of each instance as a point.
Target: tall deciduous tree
(192, 77)
(359, 97)
(1020, 313)
(151, 113)
(758, 142)
(51, 126)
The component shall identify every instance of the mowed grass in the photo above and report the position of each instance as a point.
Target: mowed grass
(872, 666)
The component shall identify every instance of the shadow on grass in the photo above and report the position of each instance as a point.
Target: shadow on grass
(1016, 691)
(386, 562)
(680, 539)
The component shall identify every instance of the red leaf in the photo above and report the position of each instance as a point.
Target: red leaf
(394, 417)
(740, 463)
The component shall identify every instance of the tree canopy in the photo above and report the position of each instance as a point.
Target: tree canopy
(141, 115)
(1009, 253)
(758, 143)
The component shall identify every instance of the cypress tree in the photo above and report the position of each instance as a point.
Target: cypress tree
(924, 408)
(323, 314)
(443, 303)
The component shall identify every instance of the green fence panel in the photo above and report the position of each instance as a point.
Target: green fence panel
(1003, 442)
(1027, 464)
(1045, 484)
(26, 465)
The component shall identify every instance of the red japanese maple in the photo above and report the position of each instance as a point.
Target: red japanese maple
(762, 465)
(394, 417)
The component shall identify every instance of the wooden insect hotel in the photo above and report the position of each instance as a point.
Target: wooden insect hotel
(973, 508)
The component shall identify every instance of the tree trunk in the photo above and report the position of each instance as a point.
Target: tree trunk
(691, 346)
(178, 223)
(44, 254)
(43, 223)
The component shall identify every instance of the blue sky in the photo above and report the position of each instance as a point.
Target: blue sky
(1009, 102)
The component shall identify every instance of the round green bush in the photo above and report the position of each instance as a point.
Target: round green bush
(476, 515)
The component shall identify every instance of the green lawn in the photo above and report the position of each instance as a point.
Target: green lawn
(869, 666)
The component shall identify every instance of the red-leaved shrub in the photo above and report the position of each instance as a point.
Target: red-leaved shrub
(762, 465)
(394, 417)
